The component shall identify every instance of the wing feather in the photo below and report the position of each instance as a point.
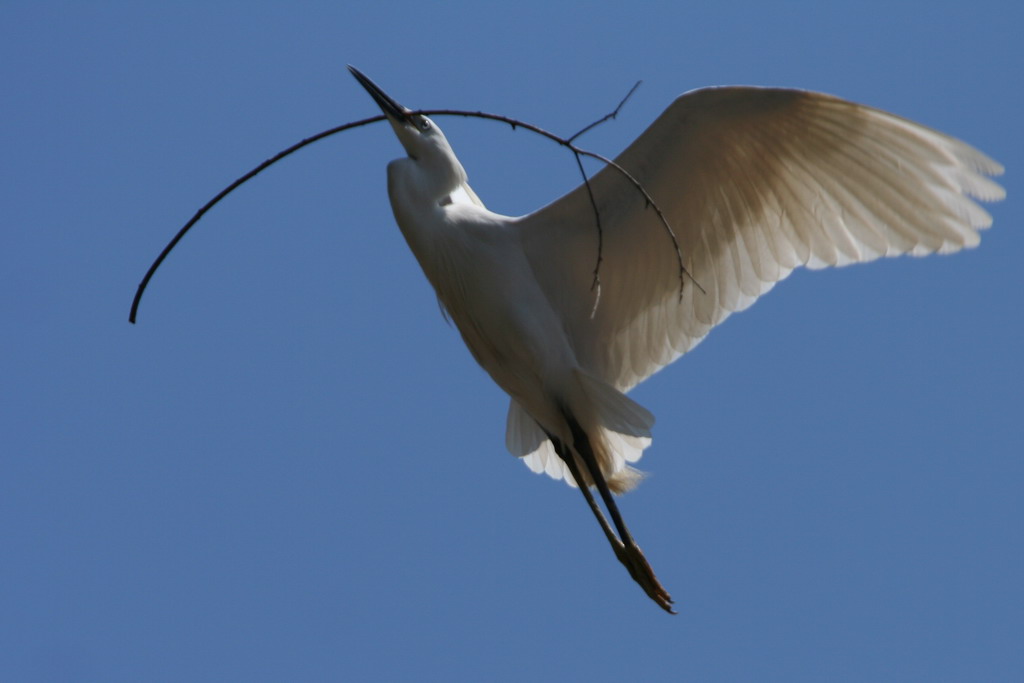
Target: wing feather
(754, 182)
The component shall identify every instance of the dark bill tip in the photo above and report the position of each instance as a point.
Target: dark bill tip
(388, 105)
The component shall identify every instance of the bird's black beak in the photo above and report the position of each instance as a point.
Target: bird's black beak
(391, 108)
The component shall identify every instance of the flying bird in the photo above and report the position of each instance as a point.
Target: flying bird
(752, 182)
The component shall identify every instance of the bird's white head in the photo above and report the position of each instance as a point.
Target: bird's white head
(437, 169)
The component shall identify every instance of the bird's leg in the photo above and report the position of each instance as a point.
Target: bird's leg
(626, 549)
(566, 455)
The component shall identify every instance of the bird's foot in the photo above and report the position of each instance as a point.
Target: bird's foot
(634, 561)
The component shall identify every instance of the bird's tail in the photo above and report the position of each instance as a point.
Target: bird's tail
(618, 428)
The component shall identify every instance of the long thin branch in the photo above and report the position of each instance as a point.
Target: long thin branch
(514, 123)
(228, 190)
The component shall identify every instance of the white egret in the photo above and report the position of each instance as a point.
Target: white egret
(754, 182)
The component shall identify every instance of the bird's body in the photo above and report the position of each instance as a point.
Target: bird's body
(753, 183)
(477, 262)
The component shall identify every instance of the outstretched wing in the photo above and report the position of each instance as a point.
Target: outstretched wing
(754, 183)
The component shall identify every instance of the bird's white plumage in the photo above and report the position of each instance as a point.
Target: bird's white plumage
(754, 183)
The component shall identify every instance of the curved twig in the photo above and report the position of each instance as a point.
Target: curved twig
(228, 190)
(514, 123)
(595, 286)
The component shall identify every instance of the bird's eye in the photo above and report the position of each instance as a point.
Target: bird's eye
(424, 124)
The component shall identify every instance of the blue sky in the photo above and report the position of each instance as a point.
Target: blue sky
(291, 468)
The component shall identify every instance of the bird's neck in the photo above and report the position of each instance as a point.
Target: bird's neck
(416, 197)
(419, 188)
(424, 181)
